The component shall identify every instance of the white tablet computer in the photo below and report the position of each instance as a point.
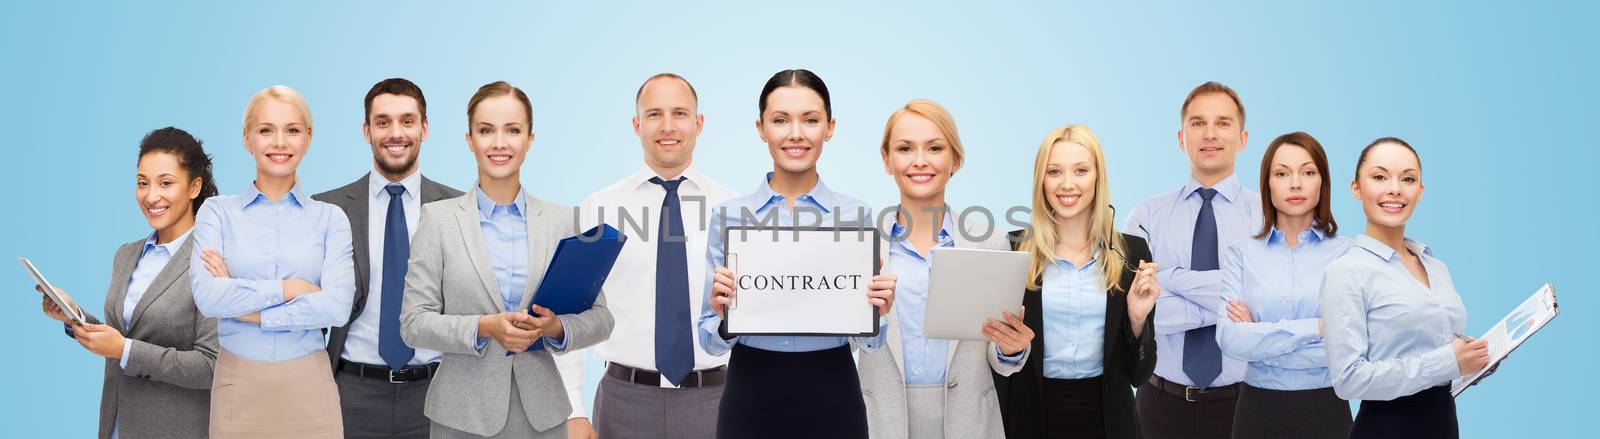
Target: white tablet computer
(51, 291)
(970, 286)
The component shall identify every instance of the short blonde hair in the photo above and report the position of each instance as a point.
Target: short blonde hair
(933, 112)
(1041, 242)
(282, 93)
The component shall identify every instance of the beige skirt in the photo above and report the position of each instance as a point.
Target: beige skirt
(261, 399)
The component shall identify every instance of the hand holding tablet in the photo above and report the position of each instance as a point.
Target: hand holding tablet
(58, 298)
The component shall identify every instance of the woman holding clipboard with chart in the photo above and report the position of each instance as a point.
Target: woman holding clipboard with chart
(1092, 294)
(911, 386)
(788, 386)
(475, 262)
(1391, 313)
(159, 349)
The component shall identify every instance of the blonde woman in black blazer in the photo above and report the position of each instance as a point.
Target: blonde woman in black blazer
(1059, 392)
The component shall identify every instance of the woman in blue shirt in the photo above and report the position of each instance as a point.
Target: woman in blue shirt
(274, 268)
(1091, 294)
(476, 261)
(789, 386)
(913, 385)
(1270, 290)
(159, 349)
(1391, 311)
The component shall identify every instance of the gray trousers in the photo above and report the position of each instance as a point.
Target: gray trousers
(380, 409)
(517, 426)
(624, 410)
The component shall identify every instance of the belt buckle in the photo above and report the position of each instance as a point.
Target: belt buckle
(1192, 394)
(391, 377)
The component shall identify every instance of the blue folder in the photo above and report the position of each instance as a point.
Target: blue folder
(580, 266)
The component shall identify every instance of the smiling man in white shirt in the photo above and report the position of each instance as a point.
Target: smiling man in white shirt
(658, 382)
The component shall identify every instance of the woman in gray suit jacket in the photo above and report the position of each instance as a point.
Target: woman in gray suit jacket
(159, 350)
(475, 262)
(921, 387)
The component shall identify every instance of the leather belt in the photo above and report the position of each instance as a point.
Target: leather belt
(409, 374)
(709, 377)
(1195, 394)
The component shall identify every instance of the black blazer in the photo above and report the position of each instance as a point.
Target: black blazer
(1129, 361)
(353, 199)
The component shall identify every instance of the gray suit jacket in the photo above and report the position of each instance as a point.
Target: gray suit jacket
(450, 283)
(970, 406)
(166, 389)
(353, 199)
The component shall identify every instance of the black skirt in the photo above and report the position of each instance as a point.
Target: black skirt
(1430, 413)
(1314, 413)
(1074, 408)
(791, 395)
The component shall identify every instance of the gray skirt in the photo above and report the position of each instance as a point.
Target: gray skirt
(517, 425)
(1314, 413)
(925, 410)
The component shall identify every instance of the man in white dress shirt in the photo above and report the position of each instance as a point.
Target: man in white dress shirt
(658, 383)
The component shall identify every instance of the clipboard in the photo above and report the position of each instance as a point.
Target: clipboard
(50, 291)
(572, 281)
(761, 248)
(1512, 331)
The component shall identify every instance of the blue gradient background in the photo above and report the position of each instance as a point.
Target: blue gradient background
(1492, 96)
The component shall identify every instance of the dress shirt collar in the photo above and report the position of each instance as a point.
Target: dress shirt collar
(1228, 188)
(486, 205)
(1313, 235)
(1388, 254)
(819, 196)
(376, 184)
(897, 231)
(1068, 265)
(170, 247)
(641, 177)
(254, 194)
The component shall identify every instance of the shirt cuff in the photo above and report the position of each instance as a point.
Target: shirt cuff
(127, 347)
(1304, 330)
(1440, 365)
(276, 318)
(872, 344)
(481, 341)
(271, 292)
(711, 340)
(558, 345)
(1010, 360)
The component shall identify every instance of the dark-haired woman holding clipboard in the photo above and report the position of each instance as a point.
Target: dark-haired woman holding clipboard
(788, 386)
(476, 261)
(1391, 313)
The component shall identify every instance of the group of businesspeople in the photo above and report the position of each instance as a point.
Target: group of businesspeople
(396, 306)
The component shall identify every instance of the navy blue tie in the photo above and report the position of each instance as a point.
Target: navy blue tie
(674, 342)
(1202, 359)
(396, 249)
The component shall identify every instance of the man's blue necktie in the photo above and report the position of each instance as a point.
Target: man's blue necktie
(396, 249)
(674, 342)
(1202, 359)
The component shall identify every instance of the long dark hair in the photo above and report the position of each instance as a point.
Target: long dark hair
(191, 156)
(796, 78)
(1322, 219)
